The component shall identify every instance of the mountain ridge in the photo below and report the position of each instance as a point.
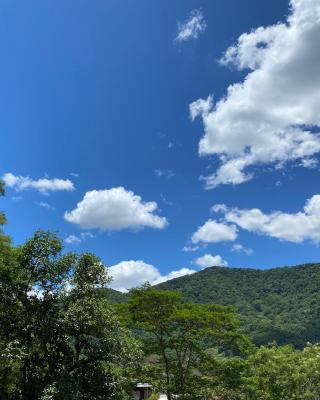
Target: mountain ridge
(279, 304)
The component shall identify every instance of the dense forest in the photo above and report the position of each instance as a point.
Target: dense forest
(281, 304)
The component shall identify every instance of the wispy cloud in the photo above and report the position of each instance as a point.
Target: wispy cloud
(191, 27)
(43, 185)
(166, 201)
(43, 204)
(164, 173)
(189, 248)
(77, 239)
(239, 248)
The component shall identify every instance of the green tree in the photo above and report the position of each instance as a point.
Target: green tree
(270, 373)
(61, 339)
(183, 336)
(10, 349)
(282, 373)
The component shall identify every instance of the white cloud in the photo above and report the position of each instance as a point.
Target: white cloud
(188, 248)
(115, 209)
(272, 117)
(295, 227)
(129, 274)
(213, 232)
(174, 275)
(309, 163)
(164, 173)
(74, 239)
(43, 204)
(216, 208)
(43, 185)
(192, 27)
(239, 248)
(208, 260)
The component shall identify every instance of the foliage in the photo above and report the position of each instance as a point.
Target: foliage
(181, 338)
(59, 338)
(281, 304)
(283, 373)
(114, 296)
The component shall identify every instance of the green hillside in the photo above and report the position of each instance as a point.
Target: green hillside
(114, 296)
(281, 304)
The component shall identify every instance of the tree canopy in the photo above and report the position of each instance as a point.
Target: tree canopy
(280, 304)
(182, 336)
(59, 337)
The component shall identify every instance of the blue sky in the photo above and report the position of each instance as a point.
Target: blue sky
(102, 95)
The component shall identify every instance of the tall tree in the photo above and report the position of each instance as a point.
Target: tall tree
(65, 339)
(183, 336)
(10, 349)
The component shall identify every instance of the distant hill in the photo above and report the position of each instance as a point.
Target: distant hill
(281, 304)
(114, 296)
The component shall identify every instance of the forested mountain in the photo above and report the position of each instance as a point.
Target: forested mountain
(281, 304)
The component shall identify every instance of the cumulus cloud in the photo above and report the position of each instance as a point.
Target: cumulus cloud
(290, 227)
(128, 274)
(174, 275)
(43, 185)
(192, 27)
(213, 232)
(115, 209)
(74, 239)
(272, 116)
(208, 260)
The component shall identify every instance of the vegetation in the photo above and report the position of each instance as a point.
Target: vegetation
(183, 336)
(59, 338)
(62, 337)
(281, 304)
(282, 373)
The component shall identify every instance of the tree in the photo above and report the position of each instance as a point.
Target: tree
(270, 373)
(10, 349)
(63, 339)
(282, 373)
(183, 336)
(2, 192)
